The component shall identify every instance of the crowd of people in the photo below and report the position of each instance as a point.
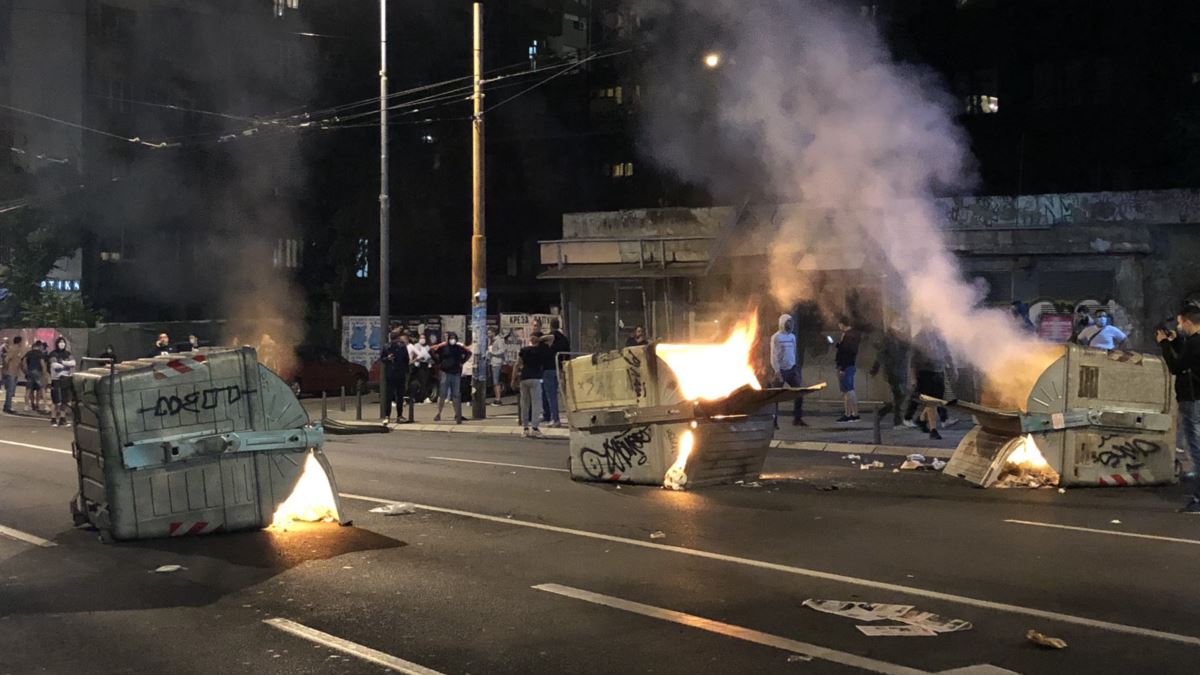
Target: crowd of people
(409, 362)
(41, 369)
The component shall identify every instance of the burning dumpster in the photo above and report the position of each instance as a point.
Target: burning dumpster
(195, 443)
(672, 415)
(1091, 418)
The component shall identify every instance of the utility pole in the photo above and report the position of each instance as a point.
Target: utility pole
(385, 243)
(479, 238)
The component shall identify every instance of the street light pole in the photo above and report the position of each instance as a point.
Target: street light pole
(479, 238)
(384, 214)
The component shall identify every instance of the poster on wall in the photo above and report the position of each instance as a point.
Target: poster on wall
(454, 323)
(361, 340)
(513, 331)
(1055, 327)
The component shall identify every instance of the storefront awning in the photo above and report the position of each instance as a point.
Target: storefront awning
(625, 271)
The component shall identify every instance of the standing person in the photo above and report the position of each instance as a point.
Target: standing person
(1102, 334)
(11, 369)
(892, 359)
(1181, 352)
(395, 365)
(496, 356)
(422, 363)
(62, 365)
(846, 360)
(34, 380)
(638, 338)
(1020, 313)
(557, 344)
(527, 380)
(451, 357)
(783, 363)
(193, 342)
(162, 346)
(111, 355)
(930, 359)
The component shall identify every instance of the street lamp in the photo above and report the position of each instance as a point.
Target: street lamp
(712, 60)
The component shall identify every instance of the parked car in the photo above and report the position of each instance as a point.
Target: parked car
(317, 369)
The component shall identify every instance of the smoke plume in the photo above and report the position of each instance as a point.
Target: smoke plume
(809, 106)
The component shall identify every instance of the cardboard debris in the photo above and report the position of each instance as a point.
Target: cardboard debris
(896, 631)
(395, 509)
(859, 611)
(910, 465)
(1042, 640)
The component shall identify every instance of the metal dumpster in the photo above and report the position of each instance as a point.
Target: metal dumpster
(188, 444)
(1097, 418)
(628, 418)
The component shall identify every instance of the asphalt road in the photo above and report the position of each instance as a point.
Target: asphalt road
(517, 569)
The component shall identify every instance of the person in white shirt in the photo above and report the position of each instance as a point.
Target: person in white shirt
(422, 364)
(497, 354)
(1102, 334)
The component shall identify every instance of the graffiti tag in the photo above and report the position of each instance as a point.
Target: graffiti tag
(634, 373)
(1132, 453)
(197, 401)
(619, 453)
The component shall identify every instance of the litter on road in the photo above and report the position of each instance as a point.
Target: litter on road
(167, 569)
(799, 658)
(658, 534)
(896, 631)
(1043, 640)
(906, 614)
(396, 509)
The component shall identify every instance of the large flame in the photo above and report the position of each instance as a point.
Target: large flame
(1025, 466)
(676, 478)
(312, 500)
(713, 371)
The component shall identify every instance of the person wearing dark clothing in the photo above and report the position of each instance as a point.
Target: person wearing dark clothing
(162, 346)
(451, 357)
(559, 344)
(395, 361)
(111, 355)
(527, 380)
(930, 358)
(892, 359)
(1181, 352)
(62, 365)
(846, 360)
(638, 338)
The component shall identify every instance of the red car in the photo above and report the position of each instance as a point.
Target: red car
(319, 369)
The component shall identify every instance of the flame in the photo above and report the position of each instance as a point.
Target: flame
(1026, 454)
(676, 478)
(713, 371)
(311, 500)
(1025, 466)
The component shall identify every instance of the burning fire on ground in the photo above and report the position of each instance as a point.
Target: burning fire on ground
(1025, 466)
(312, 499)
(676, 478)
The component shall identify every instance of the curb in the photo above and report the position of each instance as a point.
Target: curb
(807, 446)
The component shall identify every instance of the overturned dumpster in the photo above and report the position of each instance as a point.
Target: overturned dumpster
(194, 443)
(1091, 418)
(637, 418)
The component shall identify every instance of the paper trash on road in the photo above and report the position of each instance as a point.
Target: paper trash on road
(896, 631)
(658, 534)
(859, 611)
(1042, 640)
(934, 622)
(852, 457)
(395, 509)
(167, 569)
(917, 457)
(938, 465)
(910, 465)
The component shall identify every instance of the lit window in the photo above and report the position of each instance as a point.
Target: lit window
(287, 253)
(362, 259)
(110, 256)
(619, 170)
(982, 104)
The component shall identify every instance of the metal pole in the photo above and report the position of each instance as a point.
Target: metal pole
(385, 242)
(342, 399)
(358, 405)
(479, 238)
(324, 406)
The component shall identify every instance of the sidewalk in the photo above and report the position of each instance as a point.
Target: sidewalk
(823, 434)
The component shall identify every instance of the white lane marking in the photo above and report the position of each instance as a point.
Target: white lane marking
(817, 574)
(480, 461)
(26, 537)
(1115, 533)
(730, 630)
(352, 648)
(36, 447)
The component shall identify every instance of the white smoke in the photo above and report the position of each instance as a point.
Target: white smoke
(811, 96)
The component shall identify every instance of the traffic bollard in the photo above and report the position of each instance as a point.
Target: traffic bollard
(324, 405)
(342, 398)
(358, 404)
(411, 414)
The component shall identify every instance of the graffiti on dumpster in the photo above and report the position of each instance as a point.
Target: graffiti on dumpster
(197, 401)
(634, 371)
(1132, 453)
(619, 453)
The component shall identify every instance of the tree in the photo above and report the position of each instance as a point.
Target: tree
(31, 241)
(59, 310)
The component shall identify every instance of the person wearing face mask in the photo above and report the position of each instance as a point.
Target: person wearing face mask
(422, 365)
(784, 363)
(1102, 334)
(62, 365)
(451, 357)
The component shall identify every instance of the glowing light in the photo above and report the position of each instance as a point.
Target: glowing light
(712, 60)
(714, 371)
(312, 499)
(1026, 454)
(676, 478)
